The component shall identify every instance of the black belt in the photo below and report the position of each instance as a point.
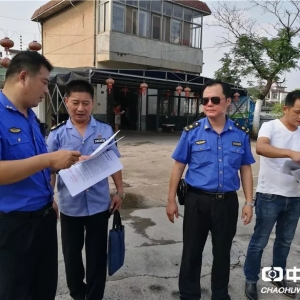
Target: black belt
(29, 214)
(218, 196)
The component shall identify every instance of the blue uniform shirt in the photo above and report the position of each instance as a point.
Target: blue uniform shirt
(213, 159)
(96, 198)
(21, 138)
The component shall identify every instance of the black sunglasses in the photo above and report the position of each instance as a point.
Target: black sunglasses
(214, 100)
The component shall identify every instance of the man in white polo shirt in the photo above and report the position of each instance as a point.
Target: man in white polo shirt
(277, 194)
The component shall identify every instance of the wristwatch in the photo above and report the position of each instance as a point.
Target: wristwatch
(249, 203)
(121, 195)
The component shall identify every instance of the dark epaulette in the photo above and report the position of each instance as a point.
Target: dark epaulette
(58, 125)
(243, 128)
(192, 126)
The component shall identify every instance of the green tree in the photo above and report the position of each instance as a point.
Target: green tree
(266, 56)
(277, 110)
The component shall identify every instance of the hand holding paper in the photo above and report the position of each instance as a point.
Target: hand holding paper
(92, 170)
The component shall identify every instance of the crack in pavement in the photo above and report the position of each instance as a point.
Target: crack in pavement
(143, 275)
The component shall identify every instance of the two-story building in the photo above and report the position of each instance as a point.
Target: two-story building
(126, 41)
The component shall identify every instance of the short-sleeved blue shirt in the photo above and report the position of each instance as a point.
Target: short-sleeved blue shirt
(21, 138)
(214, 159)
(96, 198)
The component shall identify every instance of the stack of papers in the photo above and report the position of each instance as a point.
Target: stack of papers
(102, 163)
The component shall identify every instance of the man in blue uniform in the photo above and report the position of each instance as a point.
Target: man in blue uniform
(88, 212)
(215, 149)
(28, 237)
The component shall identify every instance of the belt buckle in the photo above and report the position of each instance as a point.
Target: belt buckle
(219, 196)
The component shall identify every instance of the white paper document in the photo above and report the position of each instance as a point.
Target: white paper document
(102, 163)
(291, 168)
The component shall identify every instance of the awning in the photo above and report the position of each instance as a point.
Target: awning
(156, 79)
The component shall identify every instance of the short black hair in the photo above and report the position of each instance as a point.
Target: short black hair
(80, 86)
(30, 61)
(291, 98)
(225, 87)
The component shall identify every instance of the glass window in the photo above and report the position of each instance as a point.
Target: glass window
(156, 27)
(133, 3)
(103, 17)
(156, 6)
(131, 20)
(196, 36)
(197, 17)
(166, 29)
(186, 39)
(167, 9)
(144, 24)
(152, 105)
(118, 18)
(177, 12)
(144, 4)
(176, 32)
(188, 15)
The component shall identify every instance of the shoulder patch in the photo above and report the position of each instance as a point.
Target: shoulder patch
(243, 128)
(58, 125)
(192, 126)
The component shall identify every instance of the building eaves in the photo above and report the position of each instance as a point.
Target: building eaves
(54, 6)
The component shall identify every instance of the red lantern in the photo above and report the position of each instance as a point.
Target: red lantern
(109, 83)
(179, 90)
(187, 91)
(6, 43)
(34, 46)
(4, 62)
(144, 87)
(168, 94)
(125, 90)
(236, 96)
(139, 90)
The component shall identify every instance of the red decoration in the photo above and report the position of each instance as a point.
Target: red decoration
(139, 91)
(4, 62)
(6, 43)
(187, 91)
(144, 87)
(34, 46)
(179, 90)
(236, 96)
(109, 83)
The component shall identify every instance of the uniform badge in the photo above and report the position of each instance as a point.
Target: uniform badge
(14, 130)
(237, 144)
(200, 142)
(99, 141)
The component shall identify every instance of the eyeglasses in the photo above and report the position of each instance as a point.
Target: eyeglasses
(214, 100)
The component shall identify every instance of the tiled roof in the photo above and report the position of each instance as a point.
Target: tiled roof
(194, 4)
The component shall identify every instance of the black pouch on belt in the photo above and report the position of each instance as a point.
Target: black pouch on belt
(182, 190)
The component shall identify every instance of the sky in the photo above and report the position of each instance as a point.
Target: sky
(15, 21)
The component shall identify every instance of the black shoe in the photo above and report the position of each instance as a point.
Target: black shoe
(251, 291)
(284, 284)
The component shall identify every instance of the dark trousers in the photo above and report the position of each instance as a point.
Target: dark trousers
(72, 233)
(201, 215)
(28, 255)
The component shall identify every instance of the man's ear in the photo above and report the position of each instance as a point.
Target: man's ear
(23, 75)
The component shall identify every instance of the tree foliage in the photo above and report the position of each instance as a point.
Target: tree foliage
(266, 57)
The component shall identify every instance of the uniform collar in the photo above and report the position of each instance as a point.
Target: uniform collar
(8, 105)
(92, 123)
(228, 125)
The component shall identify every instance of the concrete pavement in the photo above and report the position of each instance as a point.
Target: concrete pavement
(153, 244)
